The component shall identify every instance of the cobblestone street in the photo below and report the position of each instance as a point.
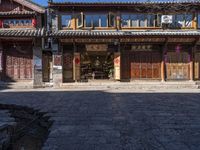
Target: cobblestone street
(115, 119)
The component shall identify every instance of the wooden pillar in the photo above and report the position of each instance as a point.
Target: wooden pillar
(163, 63)
(192, 63)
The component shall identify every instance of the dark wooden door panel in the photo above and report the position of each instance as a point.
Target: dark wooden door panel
(18, 62)
(125, 66)
(67, 67)
(145, 65)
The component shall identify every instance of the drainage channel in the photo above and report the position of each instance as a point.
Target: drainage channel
(29, 131)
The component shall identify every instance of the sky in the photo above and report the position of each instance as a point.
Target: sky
(41, 2)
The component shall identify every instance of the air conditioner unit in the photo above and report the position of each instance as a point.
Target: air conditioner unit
(166, 19)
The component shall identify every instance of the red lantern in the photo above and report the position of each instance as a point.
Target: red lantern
(1, 24)
(34, 22)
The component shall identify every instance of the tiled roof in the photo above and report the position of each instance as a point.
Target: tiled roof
(17, 13)
(22, 32)
(32, 5)
(121, 1)
(65, 33)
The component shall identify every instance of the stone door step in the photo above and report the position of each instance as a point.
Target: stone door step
(134, 85)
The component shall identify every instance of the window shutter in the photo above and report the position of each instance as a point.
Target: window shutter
(111, 19)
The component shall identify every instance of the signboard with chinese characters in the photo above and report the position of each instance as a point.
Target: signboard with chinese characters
(96, 47)
(142, 47)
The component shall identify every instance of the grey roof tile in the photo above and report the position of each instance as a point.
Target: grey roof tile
(66, 33)
(9, 13)
(21, 32)
(121, 1)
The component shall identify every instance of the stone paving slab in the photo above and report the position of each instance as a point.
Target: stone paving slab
(116, 119)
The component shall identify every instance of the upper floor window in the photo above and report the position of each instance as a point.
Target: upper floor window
(16, 22)
(182, 21)
(139, 20)
(66, 21)
(96, 20)
(198, 20)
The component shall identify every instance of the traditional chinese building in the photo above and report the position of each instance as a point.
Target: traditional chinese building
(21, 32)
(99, 40)
(133, 40)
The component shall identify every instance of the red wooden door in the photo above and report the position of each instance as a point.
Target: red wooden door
(135, 66)
(145, 65)
(18, 62)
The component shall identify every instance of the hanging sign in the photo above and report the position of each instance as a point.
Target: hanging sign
(142, 47)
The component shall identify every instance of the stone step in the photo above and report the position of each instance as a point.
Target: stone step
(133, 85)
(16, 85)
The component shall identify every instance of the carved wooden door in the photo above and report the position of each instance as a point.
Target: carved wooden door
(18, 63)
(178, 65)
(67, 66)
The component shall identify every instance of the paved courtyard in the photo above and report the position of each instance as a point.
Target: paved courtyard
(116, 119)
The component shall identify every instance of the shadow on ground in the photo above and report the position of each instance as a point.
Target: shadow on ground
(106, 120)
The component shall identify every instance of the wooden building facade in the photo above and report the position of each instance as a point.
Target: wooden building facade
(126, 40)
(21, 24)
(87, 41)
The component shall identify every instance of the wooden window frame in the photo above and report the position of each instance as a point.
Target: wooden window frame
(99, 20)
(184, 27)
(138, 21)
(197, 20)
(60, 21)
(109, 19)
(19, 25)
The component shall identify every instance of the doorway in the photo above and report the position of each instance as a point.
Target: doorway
(97, 65)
